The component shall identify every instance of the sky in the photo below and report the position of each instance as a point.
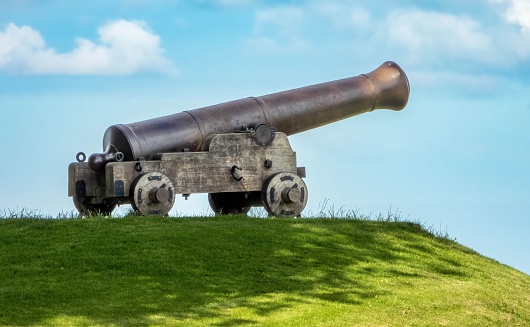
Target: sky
(455, 159)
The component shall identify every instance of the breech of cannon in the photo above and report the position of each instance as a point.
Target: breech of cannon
(290, 112)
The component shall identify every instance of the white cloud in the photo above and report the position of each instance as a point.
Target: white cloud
(517, 12)
(462, 44)
(433, 37)
(417, 37)
(125, 47)
(469, 52)
(424, 39)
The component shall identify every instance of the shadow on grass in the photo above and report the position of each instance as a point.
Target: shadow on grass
(127, 271)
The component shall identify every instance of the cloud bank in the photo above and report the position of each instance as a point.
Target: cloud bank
(476, 47)
(124, 48)
(422, 37)
(517, 12)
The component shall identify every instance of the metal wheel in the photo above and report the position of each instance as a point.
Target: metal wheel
(88, 209)
(228, 203)
(152, 194)
(284, 195)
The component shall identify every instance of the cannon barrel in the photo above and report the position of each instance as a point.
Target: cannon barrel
(290, 112)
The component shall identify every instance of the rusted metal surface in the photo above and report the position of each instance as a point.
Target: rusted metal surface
(289, 112)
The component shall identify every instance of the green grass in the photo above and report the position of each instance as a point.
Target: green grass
(238, 271)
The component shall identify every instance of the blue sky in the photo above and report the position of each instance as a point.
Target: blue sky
(456, 158)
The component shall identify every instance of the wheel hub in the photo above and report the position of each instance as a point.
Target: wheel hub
(152, 194)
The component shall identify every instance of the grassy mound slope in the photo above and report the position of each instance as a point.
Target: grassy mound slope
(235, 271)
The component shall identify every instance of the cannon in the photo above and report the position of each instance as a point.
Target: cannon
(237, 152)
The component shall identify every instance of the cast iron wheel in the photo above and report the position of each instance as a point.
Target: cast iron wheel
(228, 203)
(284, 195)
(152, 194)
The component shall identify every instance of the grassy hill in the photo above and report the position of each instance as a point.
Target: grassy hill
(238, 271)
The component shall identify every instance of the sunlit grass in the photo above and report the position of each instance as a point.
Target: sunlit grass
(240, 271)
